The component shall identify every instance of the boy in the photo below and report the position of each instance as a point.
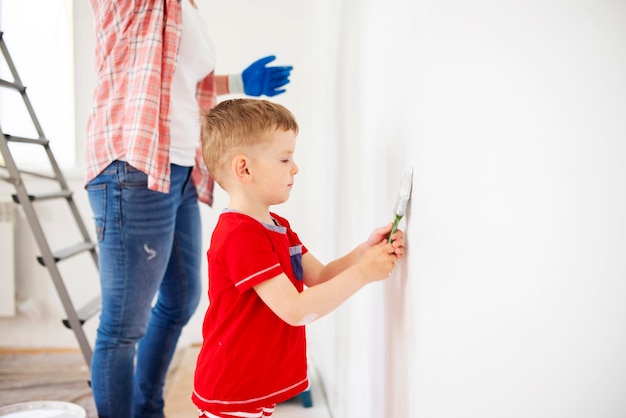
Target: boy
(264, 285)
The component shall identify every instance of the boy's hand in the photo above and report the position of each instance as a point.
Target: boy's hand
(377, 261)
(382, 233)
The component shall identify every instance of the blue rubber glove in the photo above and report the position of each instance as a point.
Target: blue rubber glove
(259, 79)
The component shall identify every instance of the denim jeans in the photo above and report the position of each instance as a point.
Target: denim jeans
(149, 245)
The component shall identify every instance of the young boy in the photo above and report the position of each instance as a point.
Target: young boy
(264, 285)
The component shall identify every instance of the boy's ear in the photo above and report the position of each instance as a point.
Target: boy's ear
(240, 168)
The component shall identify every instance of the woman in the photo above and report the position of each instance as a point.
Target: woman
(144, 176)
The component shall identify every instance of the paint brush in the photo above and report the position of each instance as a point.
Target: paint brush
(402, 200)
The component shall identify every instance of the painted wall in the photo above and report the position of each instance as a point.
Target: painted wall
(521, 192)
(512, 114)
(510, 303)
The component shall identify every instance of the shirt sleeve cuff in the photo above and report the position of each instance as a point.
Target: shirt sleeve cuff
(235, 83)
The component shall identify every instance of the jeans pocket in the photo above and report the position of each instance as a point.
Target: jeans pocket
(98, 201)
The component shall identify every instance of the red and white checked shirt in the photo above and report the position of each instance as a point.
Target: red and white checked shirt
(137, 44)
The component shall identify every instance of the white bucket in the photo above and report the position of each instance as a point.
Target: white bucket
(43, 409)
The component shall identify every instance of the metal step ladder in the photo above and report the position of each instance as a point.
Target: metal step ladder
(50, 259)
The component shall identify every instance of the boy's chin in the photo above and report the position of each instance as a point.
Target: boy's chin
(280, 201)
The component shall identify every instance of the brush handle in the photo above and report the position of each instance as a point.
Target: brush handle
(394, 228)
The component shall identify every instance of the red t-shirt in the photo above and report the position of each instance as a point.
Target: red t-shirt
(249, 357)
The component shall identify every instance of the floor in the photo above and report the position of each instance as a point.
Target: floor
(61, 374)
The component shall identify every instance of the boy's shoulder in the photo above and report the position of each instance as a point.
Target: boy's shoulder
(231, 220)
(234, 228)
(234, 217)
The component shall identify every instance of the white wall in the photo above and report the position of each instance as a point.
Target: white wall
(510, 301)
(518, 225)
(39, 309)
(512, 113)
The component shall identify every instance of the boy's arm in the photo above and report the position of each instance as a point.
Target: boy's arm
(279, 294)
(315, 272)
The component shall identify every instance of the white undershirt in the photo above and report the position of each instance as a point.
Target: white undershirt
(196, 60)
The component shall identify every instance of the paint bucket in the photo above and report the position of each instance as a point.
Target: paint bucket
(42, 409)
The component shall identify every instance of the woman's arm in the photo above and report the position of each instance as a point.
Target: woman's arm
(221, 84)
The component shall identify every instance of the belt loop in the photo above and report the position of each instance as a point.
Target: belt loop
(121, 171)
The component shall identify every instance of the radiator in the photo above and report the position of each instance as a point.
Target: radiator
(7, 259)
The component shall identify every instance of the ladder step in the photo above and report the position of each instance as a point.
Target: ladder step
(85, 312)
(69, 252)
(40, 175)
(24, 140)
(64, 194)
(18, 87)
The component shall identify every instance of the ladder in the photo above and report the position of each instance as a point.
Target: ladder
(50, 259)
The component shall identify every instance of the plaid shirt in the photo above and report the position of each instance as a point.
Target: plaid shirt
(137, 44)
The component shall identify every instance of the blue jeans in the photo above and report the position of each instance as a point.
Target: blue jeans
(149, 245)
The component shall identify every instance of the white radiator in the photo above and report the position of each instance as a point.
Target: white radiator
(7, 259)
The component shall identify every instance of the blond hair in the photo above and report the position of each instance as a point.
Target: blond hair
(234, 126)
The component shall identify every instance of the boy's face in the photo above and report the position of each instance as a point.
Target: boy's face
(273, 168)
